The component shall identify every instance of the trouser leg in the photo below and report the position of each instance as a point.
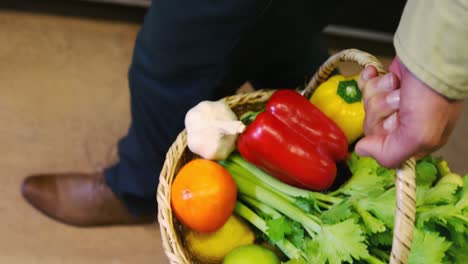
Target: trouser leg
(189, 51)
(180, 58)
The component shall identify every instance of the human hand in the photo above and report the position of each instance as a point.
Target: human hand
(404, 116)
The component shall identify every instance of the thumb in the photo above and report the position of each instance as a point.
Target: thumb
(390, 150)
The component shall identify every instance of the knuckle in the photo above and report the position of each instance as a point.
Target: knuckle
(366, 89)
(367, 125)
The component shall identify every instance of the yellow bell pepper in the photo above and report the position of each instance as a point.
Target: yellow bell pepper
(341, 100)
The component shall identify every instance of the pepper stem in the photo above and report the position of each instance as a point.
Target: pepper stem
(349, 91)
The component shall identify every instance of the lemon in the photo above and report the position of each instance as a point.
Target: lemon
(211, 248)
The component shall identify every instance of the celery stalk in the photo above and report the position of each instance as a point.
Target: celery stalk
(280, 186)
(284, 245)
(311, 223)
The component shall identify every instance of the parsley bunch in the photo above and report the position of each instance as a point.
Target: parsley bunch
(354, 224)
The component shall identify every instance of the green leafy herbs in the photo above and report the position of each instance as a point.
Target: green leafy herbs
(368, 176)
(337, 213)
(439, 194)
(382, 240)
(297, 235)
(336, 243)
(426, 173)
(278, 228)
(457, 254)
(342, 242)
(307, 205)
(382, 205)
(443, 168)
(462, 203)
(354, 224)
(372, 224)
(427, 248)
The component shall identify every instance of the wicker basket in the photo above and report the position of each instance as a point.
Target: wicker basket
(179, 154)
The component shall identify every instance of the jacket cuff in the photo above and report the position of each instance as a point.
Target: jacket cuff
(432, 42)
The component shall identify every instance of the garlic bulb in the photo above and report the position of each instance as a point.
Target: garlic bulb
(212, 130)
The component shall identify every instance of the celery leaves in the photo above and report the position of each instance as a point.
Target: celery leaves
(354, 224)
(278, 228)
(427, 248)
(341, 242)
(337, 213)
(426, 173)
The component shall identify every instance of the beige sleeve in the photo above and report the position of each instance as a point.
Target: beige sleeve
(432, 41)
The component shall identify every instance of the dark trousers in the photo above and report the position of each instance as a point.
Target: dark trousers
(189, 51)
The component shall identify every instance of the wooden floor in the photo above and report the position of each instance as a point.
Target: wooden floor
(63, 106)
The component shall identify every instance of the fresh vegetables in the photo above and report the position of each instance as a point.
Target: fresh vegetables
(294, 141)
(203, 195)
(452, 178)
(298, 232)
(211, 248)
(298, 145)
(355, 222)
(251, 254)
(340, 99)
(212, 129)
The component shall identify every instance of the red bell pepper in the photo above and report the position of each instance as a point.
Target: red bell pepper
(295, 142)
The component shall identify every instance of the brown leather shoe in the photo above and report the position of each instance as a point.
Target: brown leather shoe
(78, 199)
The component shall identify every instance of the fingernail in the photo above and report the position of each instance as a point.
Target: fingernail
(390, 123)
(390, 79)
(393, 99)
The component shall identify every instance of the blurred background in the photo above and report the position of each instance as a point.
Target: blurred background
(64, 104)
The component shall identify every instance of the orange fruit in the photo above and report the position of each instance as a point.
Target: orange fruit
(203, 195)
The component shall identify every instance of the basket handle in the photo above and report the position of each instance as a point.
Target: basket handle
(362, 58)
(405, 211)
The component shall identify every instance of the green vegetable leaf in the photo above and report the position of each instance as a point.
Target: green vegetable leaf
(337, 213)
(356, 162)
(381, 254)
(443, 167)
(427, 248)
(388, 176)
(426, 173)
(439, 194)
(372, 224)
(382, 239)
(432, 159)
(458, 254)
(458, 230)
(381, 205)
(462, 203)
(420, 194)
(306, 205)
(441, 214)
(312, 250)
(278, 228)
(364, 180)
(353, 162)
(341, 243)
(446, 220)
(368, 176)
(297, 234)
